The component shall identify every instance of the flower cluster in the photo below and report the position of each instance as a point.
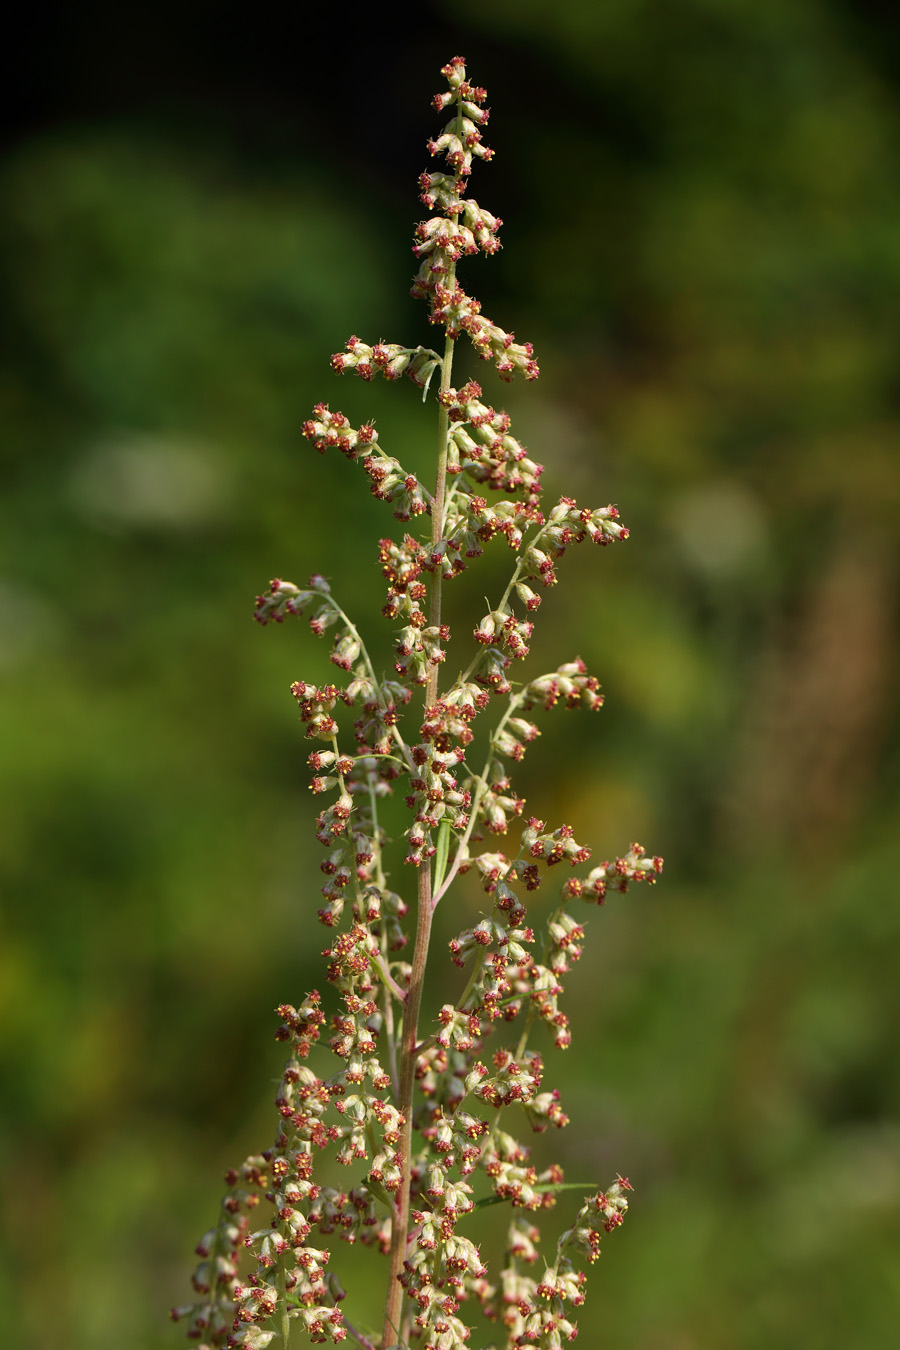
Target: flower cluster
(420, 1104)
(534, 1311)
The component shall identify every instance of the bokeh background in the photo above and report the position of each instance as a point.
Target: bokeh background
(703, 241)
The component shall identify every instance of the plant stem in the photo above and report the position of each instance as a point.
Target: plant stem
(409, 1038)
(515, 700)
(282, 1299)
(357, 1335)
(409, 1034)
(351, 628)
(438, 501)
(519, 568)
(477, 965)
(388, 994)
(379, 961)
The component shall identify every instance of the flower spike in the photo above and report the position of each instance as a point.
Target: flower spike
(414, 1103)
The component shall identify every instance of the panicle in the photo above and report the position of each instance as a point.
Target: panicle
(414, 1115)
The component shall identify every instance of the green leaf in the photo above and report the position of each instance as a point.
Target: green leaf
(442, 853)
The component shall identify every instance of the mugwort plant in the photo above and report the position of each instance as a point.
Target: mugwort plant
(418, 1104)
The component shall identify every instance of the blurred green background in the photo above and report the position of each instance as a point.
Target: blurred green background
(703, 242)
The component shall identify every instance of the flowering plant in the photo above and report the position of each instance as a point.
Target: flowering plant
(420, 1114)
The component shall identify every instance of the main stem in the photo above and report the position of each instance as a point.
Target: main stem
(440, 492)
(409, 1036)
(282, 1298)
(391, 1334)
